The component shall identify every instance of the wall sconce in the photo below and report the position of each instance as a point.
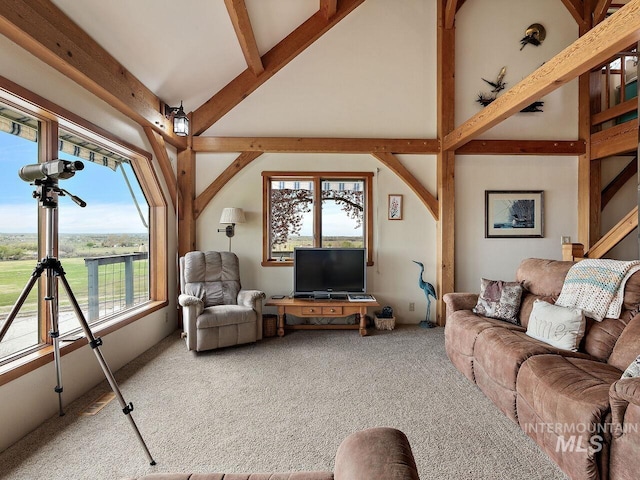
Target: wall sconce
(180, 119)
(231, 216)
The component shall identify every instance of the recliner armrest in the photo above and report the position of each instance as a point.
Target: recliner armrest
(250, 298)
(189, 300)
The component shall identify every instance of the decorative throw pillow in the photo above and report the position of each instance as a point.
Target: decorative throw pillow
(561, 327)
(499, 300)
(633, 370)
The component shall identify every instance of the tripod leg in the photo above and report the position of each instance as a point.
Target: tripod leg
(51, 298)
(95, 345)
(21, 299)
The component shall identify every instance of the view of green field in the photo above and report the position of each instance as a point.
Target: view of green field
(286, 249)
(19, 257)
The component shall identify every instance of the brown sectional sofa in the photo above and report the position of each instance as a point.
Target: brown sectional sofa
(374, 453)
(573, 404)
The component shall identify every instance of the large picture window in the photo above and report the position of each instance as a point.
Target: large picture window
(316, 209)
(111, 251)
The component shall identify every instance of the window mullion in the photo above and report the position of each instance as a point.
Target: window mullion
(317, 211)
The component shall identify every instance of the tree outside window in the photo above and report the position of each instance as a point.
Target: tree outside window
(315, 210)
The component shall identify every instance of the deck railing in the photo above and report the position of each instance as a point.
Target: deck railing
(120, 283)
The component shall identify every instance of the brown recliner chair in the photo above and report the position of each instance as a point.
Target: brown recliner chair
(216, 311)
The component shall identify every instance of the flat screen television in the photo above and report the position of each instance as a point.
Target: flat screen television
(329, 272)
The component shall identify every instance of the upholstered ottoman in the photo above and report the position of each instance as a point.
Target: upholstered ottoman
(380, 453)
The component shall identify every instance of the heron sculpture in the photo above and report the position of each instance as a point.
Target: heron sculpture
(429, 291)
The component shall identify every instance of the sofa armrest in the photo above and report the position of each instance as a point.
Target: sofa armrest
(624, 394)
(460, 301)
(381, 452)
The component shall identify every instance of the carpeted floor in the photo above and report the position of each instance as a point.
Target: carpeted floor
(280, 405)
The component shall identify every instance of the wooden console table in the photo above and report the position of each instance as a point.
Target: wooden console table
(302, 307)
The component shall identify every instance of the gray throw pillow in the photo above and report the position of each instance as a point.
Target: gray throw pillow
(500, 300)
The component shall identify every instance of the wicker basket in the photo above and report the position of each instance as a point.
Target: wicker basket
(385, 323)
(269, 325)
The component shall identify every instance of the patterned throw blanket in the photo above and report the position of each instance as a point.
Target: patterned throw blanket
(597, 287)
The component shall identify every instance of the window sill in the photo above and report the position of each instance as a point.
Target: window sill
(277, 263)
(43, 355)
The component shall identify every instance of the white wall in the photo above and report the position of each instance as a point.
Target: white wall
(29, 400)
(498, 258)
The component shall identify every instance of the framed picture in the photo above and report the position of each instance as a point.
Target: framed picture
(514, 214)
(395, 207)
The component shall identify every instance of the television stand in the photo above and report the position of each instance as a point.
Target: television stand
(321, 308)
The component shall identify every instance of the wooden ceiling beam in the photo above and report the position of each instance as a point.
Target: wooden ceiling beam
(594, 47)
(45, 31)
(450, 13)
(576, 9)
(314, 145)
(274, 60)
(328, 8)
(160, 151)
(242, 25)
(523, 147)
(391, 161)
(600, 11)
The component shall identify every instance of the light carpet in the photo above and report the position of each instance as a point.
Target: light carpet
(283, 404)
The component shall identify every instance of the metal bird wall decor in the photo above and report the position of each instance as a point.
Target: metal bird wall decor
(429, 291)
(485, 99)
(533, 35)
(499, 84)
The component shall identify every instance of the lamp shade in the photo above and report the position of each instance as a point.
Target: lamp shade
(232, 215)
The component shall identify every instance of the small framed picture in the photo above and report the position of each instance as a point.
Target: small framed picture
(514, 214)
(395, 207)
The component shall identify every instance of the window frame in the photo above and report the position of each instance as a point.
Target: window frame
(316, 178)
(52, 118)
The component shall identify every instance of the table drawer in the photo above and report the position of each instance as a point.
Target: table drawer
(332, 311)
(312, 311)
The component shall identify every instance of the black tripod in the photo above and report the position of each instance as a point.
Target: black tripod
(47, 192)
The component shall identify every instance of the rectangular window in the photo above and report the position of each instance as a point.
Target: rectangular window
(333, 209)
(103, 246)
(18, 230)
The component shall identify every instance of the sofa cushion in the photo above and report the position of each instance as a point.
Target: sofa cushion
(542, 277)
(461, 331)
(562, 327)
(564, 402)
(497, 358)
(628, 345)
(601, 337)
(500, 300)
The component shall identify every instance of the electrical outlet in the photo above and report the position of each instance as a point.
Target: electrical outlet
(412, 307)
(565, 239)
